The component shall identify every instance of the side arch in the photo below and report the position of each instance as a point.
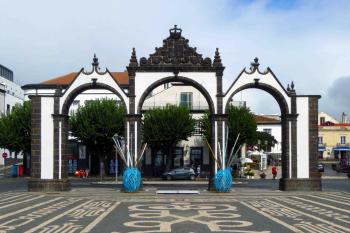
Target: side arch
(282, 102)
(285, 122)
(182, 79)
(88, 86)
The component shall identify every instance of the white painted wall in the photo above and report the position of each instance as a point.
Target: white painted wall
(276, 131)
(47, 133)
(327, 117)
(162, 97)
(303, 137)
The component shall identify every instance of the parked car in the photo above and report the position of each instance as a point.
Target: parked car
(320, 167)
(180, 174)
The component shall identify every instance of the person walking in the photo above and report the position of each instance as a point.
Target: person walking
(198, 171)
(274, 171)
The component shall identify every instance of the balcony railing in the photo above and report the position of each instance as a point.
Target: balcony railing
(322, 144)
(193, 107)
(343, 144)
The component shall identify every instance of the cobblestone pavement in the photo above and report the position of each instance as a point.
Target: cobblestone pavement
(99, 210)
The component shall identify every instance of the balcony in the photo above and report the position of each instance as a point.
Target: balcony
(193, 108)
(322, 144)
(343, 144)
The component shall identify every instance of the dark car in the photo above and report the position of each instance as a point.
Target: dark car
(180, 174)
(320, 167)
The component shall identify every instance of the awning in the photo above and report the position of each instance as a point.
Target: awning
(321, 148)
(341, 148)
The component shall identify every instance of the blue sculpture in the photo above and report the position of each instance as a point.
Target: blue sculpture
(223, 181)
(131, 179)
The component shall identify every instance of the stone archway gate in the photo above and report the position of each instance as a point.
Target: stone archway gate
(175, 61)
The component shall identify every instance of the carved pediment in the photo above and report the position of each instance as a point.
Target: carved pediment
(176, 52)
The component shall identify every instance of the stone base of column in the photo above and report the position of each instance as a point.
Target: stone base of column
(40, 185)
(295, 184)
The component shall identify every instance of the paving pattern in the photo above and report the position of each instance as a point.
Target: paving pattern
(117, 212)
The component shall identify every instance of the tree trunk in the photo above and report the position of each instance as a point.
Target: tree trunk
(169, 157)
(102, 165)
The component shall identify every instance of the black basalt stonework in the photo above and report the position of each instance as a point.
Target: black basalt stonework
(36, 137)
(176, 55)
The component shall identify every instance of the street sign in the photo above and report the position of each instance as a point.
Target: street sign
(4, 155)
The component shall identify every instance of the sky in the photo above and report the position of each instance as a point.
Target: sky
(307, 42)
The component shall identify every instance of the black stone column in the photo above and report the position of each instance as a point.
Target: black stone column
(36, 137)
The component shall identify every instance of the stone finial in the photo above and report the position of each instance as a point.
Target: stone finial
(255, 64)
(133, 59)
(95, 62)
(292, 90)
(288, 88)
(217, 59)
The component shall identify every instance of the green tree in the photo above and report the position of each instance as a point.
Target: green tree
(206, 126)
(241, 121)
(15, 129)
(95, 124)
(164, 127)
(266, 140)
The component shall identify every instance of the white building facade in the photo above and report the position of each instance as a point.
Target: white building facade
(10, 94)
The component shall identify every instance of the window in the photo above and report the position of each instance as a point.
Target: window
(196, 156)
(186, 99)
(197, 128)
(8, 109)
(267, 131)
(342, 139)
(322, 120)
(320, 140)
(76, 103)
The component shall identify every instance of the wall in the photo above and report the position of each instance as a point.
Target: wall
(276, 131)
(303, 137)
(171, 95)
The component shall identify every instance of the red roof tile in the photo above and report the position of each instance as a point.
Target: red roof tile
(120, 77)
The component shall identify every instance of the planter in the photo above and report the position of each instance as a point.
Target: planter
(131, 179)
(223, 181)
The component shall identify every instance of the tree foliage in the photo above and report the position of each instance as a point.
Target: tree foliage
(15, 128)
(165, 127)
(96, 123)
(266, 140)
(241, 121)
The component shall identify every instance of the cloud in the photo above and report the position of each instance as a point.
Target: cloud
(303, 41)
(337, 98)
